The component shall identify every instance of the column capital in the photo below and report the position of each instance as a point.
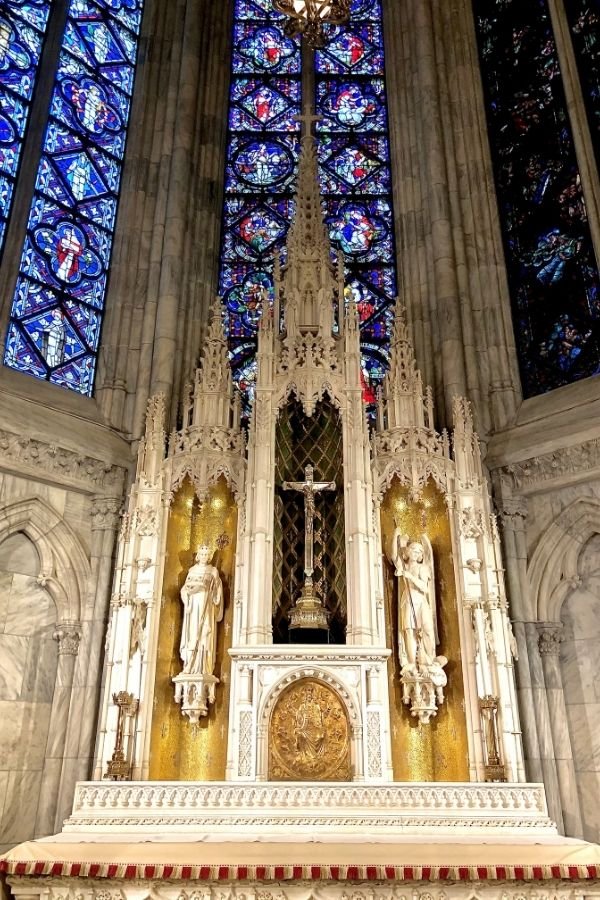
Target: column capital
(105, 513)
(550, 638)
(512, 512)
(68, 636)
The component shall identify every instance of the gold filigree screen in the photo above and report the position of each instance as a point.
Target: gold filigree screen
(180, 751)
(438, 751)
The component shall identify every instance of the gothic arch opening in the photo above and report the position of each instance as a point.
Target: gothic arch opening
(303, 440)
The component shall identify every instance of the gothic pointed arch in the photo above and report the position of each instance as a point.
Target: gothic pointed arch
(64, 566)
(554, 567)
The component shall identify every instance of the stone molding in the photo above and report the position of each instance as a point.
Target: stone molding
(564, 465)
(22, 453)
(188, 806)
(27, 888)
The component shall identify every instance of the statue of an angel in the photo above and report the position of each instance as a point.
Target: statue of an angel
(417, 618)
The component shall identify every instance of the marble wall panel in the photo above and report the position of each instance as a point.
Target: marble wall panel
(5, 586)
(18, 554)
(28, 661)
(31, 609)
(24, 734)
(580, 665)
(13, 656)
(20, 808)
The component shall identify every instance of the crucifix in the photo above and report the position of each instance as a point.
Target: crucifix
(309, 488)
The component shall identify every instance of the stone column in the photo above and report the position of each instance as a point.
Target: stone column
(550, 637)
(450, 256)
(86, 681)
(513, 515)
(68, 636)
(544, 728)
(165, 263)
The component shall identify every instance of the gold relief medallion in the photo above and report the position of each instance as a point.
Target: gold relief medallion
(309, 735)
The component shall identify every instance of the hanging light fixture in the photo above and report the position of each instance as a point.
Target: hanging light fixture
(307, 17)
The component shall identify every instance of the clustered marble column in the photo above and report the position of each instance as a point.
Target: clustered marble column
(546, 737)
(165, 264)
(68, 636)
(452, 275)
(550, 637)
(74, 708)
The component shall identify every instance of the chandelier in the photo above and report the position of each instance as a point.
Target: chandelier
(307, 17)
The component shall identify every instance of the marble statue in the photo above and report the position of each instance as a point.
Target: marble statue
(421, 669)
(202, 598)
(417, 620)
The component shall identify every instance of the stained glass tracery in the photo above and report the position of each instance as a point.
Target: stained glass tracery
(263, 147)
(353, 148)
(262, 158)
(22, 30)
(552, 269)
(584, 21)
(59, 298)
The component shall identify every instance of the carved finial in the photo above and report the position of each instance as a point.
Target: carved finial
(403, 373)
(308, 288)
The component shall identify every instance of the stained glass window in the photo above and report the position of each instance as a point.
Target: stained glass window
(353, 148)
(552, 270)
(584, 20)
(59, 298)
(261, 167)
(22, 28)
(262, 159)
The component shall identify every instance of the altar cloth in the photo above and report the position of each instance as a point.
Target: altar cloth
(431, 860)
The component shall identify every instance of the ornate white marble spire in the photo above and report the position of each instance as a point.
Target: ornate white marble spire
(308, 284)
(213, 389)
(405, 402)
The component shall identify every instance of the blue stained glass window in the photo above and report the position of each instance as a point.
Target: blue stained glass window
(22, 28)
(552, 270)
(262, 158)
(59, 298)
(584, 20)
(353, 147)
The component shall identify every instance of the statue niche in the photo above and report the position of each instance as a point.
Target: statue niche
(303, 442)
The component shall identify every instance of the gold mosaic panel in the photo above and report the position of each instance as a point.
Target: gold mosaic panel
(180, 751)
(438, 751)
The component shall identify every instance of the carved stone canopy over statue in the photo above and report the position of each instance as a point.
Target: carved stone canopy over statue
(421, 671)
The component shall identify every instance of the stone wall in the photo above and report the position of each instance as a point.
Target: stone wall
(28, 662)
(580, 664)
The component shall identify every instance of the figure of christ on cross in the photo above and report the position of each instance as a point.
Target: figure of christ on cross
(309, 488)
